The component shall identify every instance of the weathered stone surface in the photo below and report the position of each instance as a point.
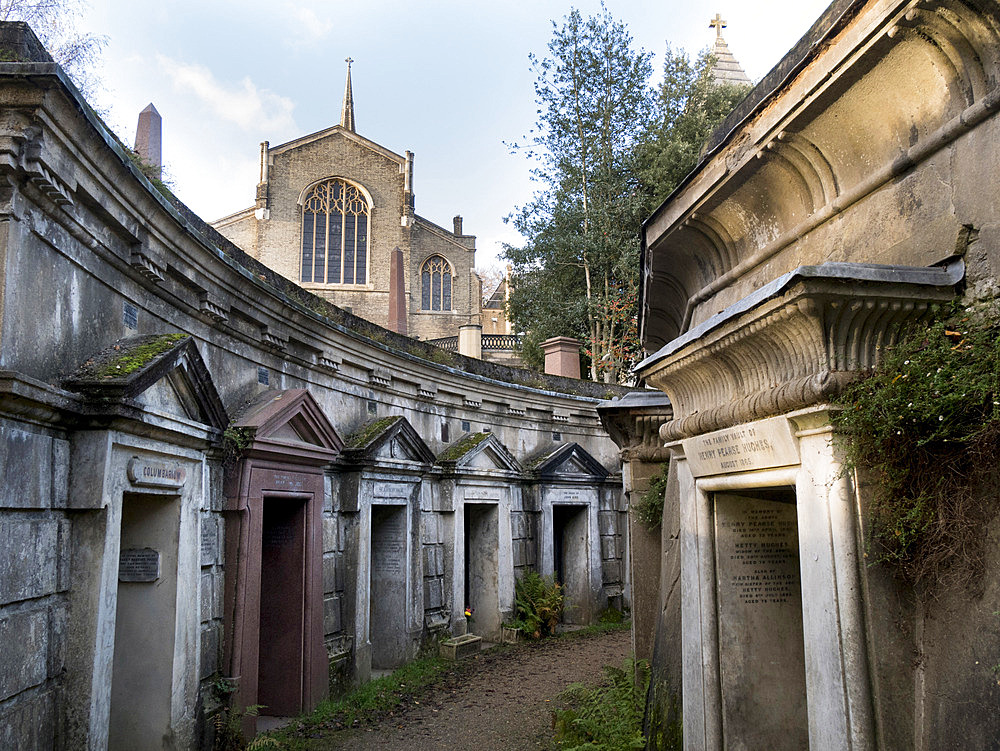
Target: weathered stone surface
(329, 573)
(29, 723)
(331, 615)
(606, 521)
(433, 593)
(30, 564)
(209, 649)
(26, 469)
(24, 658)
(209, 539)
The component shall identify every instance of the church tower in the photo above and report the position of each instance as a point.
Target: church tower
(727, 69)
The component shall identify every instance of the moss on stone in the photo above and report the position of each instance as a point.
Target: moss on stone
(129, 356)
(462, 447)
(370, 431)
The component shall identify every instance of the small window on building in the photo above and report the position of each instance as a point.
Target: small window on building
(435, 284)
(335, 223)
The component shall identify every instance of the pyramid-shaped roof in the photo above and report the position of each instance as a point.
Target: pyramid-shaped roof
(479, 451)
(286, 423)
(569, 462)
(389, 439)
(164, 371)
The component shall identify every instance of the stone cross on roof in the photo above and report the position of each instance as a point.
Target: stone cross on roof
(718, 24)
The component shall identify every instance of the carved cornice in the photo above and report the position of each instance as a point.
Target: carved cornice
(634, 421)
(797, 342)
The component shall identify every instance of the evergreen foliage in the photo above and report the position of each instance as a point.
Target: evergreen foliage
(924, 429)
(607, 146)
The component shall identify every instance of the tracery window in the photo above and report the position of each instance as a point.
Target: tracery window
(335, 223)
(435, 284)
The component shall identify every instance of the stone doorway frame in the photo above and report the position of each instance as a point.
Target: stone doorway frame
(290, 444)
(838, 694)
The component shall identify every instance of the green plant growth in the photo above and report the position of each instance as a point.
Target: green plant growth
(923, 430)
(538, 605)
(229, 731)
(648, 509)
(130, 358)
(367, 703)
(607, 717)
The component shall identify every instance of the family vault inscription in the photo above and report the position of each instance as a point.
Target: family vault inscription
(759, 597)
(758, 445)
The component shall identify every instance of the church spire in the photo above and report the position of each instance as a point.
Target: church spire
(347, 111)
(726, 69)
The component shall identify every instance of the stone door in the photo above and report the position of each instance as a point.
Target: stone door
(282, 606)
(482, 564)
(388, 586)
(759, 599)
(571, 560)
(145, 623)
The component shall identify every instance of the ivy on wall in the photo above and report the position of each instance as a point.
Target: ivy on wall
(924, 429)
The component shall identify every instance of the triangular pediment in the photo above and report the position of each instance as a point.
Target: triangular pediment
(570, 461)
(162, 372)
(337, 131)
(480, 451)
(389, 439)
(291, 422)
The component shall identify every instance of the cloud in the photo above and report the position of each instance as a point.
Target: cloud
(306, 20)
(243, 104)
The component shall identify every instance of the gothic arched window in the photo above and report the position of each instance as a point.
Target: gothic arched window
(335, 219)
(435, 284)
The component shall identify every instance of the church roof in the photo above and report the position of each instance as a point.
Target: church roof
(727, 69)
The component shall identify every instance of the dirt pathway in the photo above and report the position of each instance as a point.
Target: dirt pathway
(504, 705)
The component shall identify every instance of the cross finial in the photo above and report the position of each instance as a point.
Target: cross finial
(718, 24)
(348, 60)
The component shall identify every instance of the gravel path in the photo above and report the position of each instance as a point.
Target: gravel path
(504, 705)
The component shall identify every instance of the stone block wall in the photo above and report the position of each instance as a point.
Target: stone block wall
(35, 554)
(434, 557)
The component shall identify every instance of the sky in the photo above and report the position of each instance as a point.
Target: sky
(448, 80)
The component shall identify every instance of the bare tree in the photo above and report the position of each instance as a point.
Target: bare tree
(56, 22)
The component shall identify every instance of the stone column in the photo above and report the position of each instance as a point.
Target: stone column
(470, 340)
(562, 356)
(837, 681)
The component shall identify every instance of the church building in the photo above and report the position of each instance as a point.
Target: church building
(334, 213)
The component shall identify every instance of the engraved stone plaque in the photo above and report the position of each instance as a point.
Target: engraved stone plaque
(389, 547)
(758, 445)
(761, 653)
(139, 565)
(155, 474)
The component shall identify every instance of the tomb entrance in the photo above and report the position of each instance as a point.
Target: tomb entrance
(388, 587)
(142, 672)
(482, 547)
(759, 600)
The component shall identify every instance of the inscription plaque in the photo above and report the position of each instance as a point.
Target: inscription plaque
(761, 653)
(389, 546)
(155, 474)
(139, 565)
(758, 445)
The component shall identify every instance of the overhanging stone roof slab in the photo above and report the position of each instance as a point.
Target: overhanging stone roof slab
(794, 342)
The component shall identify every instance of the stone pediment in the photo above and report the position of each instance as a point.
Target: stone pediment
(795, 342)
(390, 439)
(570, 462)
(162, 372)
(287, 423)
(337, 131)
(479, 451)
